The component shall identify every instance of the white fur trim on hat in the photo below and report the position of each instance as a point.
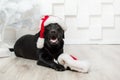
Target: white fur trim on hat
(40, 42)
(55, 19)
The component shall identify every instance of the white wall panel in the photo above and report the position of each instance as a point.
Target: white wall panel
(70, 7)
(83, 13)
(112, 35)
(107, 15)
(116, 5)
(88, 21)
(107, 1)
(95, 28)
(94, 7)
(57, 1)
(58, 10)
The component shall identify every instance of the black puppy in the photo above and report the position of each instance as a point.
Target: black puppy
(53, 46)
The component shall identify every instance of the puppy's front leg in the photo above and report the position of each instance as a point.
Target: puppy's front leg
(49, 63)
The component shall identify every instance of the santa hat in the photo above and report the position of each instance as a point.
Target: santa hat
(46, 20)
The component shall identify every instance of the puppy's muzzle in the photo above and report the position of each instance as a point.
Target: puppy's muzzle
(53, 38)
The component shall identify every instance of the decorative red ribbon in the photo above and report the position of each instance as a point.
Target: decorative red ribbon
(42, 26)
(74, 57)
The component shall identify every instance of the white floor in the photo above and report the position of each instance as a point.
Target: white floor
(105, 61)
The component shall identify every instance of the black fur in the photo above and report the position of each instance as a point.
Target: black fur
(26, 47)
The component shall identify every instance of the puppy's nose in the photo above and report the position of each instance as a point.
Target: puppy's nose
(53, 31)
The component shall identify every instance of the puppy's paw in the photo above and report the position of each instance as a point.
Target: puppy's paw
(59, 68)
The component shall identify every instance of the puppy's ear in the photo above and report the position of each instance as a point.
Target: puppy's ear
(63, 35)
(37, 34)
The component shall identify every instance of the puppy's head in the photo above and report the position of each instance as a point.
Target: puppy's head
(53, 34)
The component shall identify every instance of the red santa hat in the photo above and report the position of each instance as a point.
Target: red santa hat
(46, 20)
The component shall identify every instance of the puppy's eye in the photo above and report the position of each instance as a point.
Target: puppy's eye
(59, 28)
(47, 27)
(56, 24)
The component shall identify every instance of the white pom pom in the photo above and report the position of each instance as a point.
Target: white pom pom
(40, 42)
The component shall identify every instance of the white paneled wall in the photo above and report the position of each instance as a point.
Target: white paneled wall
(88, 21)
